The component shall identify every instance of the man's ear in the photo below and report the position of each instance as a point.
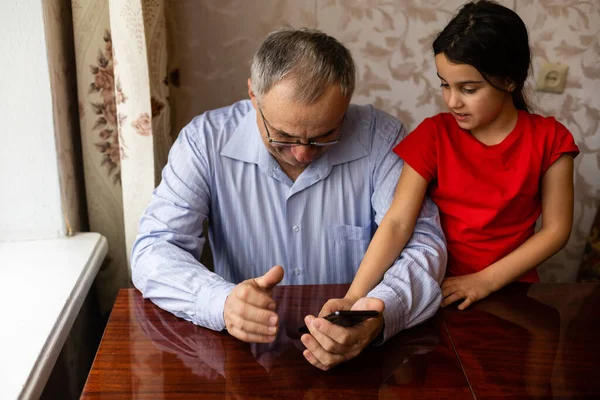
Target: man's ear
(250, 91)
(252, 95)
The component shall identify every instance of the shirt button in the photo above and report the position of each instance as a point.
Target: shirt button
(297, 271)
(296, 228)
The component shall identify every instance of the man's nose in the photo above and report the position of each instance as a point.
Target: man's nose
(304, 154)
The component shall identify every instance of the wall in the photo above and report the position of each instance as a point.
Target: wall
(38, 108)
(211, 43)
(30, 205)
(58, 20)
(567, 32)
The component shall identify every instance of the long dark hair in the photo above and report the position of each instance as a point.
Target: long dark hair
(494, 40)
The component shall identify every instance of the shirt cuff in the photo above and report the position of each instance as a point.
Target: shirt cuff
(210, 304)
(393, 315)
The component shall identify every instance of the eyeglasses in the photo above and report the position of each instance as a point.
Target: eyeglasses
(298, 142)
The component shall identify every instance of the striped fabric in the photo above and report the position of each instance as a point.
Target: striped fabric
(318, 227)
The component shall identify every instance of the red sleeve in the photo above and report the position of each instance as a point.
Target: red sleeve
(419, 149)
(561, 143)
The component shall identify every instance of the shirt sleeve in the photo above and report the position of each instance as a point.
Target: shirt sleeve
(419, 149)
(561, 142)
(164, 261)
(410, 288)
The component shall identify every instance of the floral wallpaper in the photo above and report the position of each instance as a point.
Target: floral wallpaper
(211, 42)
(568, 32)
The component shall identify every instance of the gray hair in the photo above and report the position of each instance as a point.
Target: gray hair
(312, 59)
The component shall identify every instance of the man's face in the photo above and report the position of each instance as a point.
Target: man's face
(286, 120)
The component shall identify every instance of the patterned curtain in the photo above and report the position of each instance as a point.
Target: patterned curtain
(120, 51)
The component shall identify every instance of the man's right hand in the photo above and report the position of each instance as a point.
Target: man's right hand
(333, 305)
(249, 310)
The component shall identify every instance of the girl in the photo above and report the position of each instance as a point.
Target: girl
(490, 166)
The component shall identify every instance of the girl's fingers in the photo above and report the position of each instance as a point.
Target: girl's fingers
(451, 299)
(465, 303)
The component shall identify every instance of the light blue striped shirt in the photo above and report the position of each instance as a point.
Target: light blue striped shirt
(318, 227)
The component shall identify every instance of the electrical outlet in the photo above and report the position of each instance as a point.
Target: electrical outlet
(552, 77)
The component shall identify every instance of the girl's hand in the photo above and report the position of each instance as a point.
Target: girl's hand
(471, 287)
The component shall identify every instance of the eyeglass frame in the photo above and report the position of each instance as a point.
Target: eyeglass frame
(297, 142)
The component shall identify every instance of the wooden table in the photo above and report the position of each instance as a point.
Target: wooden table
(525, 341)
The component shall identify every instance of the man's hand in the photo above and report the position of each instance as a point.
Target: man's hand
(328, 344)
(336, 305)
(249, 310)
(471, 287)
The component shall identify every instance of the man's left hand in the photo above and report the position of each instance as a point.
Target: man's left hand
(328, 344)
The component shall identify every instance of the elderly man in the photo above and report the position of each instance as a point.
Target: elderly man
(293, 183)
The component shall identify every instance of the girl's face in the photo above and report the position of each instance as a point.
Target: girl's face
(473, 101)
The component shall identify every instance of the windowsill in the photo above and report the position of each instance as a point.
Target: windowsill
(43, 284)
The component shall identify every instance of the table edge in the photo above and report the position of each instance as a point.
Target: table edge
(38, 377)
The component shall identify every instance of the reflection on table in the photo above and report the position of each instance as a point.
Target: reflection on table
(538, 341)
(525, 341)
(147, 351)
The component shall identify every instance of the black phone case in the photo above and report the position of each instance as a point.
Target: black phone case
(346, 318)
(350, 318)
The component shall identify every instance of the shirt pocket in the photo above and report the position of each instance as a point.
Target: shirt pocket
(347, 246)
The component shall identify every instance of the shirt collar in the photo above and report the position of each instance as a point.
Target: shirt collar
(246, 143)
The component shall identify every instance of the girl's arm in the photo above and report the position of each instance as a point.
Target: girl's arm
(557, 219)
(393, 233)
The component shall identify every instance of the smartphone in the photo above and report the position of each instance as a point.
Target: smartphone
(346, 318)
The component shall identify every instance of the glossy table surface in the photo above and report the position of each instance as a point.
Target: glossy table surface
(531, 341)
(527, 341)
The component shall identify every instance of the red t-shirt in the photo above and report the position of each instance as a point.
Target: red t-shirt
(488, 196)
